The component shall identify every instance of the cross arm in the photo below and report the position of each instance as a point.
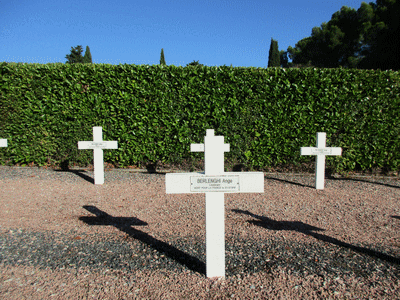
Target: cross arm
(200, 147)
(98, 145)
(196, 147)
(320, 151)
(249, 182)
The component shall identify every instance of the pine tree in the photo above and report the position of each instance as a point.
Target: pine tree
(162, 59)
(194, 63)
(88, 56)
(75, 56)
(274, 58)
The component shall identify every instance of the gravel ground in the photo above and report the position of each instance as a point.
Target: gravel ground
(63, 237)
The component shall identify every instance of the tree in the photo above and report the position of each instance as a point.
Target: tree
(88, 56)
(274, 58)
(283, 55)
(75, 56)
(162, 59)
(381, 49)
(194, 63)
(300, 54)
(333, 44)
(366, 38)
(344, 37)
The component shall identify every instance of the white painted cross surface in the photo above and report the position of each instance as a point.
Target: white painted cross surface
(98, 145)
(320, 151)
(3, 143)
(214, 182)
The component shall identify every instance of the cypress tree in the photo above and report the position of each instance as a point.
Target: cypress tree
(274, 57)
(162, 59)
(87, 59)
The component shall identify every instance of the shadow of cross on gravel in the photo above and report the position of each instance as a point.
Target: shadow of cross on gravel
(125, 225)
(310, 230)
(80, 173)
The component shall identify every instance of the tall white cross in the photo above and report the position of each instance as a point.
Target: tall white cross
(320, 151)
(3, 143)
(98, 145)
(214, 182)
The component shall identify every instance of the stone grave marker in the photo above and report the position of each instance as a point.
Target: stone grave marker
(320, 151)
(98, 145)
(214, 182)
(3, 143)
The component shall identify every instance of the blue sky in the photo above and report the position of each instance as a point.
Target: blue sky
(213, 32)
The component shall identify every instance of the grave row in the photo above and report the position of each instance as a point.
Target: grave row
(214, 182)
(97, 145)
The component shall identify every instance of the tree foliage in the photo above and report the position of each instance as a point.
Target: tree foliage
(76, 55)
(194, 63)
(382, 44)
(363, 38)
(162, 59)
(274, 57)
(283, 56)
(88, 56)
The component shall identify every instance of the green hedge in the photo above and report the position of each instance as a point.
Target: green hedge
(156, 112)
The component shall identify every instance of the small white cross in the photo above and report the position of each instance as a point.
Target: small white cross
(98, 145)
(320, 151)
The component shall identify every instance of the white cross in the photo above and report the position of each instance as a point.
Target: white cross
(98, 145)
(214, 182)
(320, 151)
(3, 143)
